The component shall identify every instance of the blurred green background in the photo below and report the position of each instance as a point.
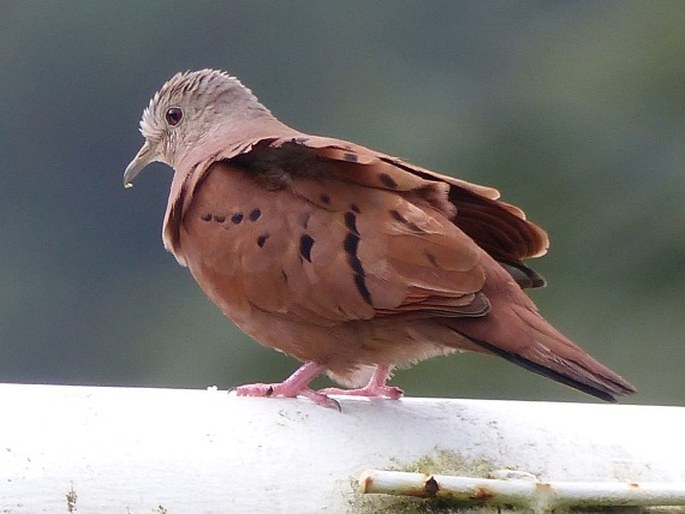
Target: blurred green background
(575, 110)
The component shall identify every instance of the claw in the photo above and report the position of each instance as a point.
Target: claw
(322, 400)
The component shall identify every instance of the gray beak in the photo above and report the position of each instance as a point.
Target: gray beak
(145, 156)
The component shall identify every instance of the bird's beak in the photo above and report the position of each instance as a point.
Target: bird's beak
(145, 156)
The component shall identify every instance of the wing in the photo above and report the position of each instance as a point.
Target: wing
(345, 232)
(326, 250)
(501, 229)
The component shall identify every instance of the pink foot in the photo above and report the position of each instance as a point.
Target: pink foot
(391, 392)
(376, 388)
(295, 385)
(286, 391)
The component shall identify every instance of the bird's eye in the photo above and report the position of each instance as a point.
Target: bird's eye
(174, 116)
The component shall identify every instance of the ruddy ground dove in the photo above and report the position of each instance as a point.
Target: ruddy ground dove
(347, 259)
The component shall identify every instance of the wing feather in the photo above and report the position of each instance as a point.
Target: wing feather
(347, 258)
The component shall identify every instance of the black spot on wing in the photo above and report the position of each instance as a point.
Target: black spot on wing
(351, 223)
(325, 198)
(306, 243)
(219, 219)
(351, 245)
(360, 282)
(237, 218)
(206, 217)
(351, 157)
(431, 258)
(255, 214)
(387, 181)
(355, 208)
(262, 239)
(397, 216)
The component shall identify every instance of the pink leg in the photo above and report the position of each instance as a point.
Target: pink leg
(374, 389)
(295, 385)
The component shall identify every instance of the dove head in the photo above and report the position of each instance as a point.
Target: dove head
(191, 107)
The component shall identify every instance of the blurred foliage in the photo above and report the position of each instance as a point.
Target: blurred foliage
(574, 109)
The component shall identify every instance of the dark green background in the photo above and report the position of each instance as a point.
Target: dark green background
(574, 110)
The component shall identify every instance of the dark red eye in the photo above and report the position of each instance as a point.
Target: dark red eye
(174, 116)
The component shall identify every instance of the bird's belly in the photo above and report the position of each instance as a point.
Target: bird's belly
(344, 348)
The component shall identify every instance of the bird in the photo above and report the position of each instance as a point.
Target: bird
(354, 262)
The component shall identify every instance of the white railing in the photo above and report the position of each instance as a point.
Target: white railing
(129, 450)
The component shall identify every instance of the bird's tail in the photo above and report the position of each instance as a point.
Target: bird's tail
(515, 331)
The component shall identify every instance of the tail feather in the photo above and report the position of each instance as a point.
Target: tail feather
(606, 385)
(515, 330)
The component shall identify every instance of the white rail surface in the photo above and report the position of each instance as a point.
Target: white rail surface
(127, 450)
